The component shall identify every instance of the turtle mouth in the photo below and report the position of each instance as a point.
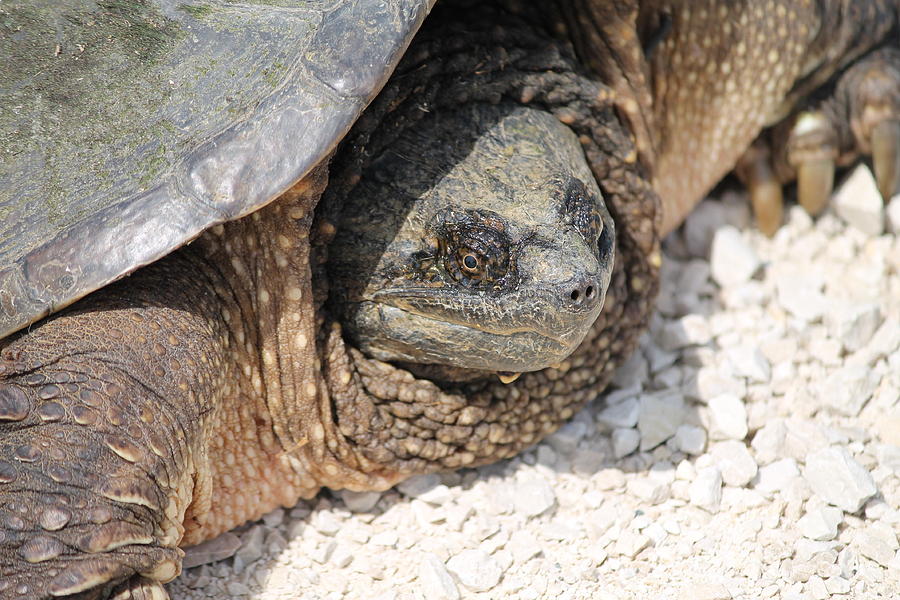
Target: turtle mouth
(436, 341)
(461, 338)
(530, 315)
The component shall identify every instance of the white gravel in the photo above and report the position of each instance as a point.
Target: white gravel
(859, 202)
(750, 449)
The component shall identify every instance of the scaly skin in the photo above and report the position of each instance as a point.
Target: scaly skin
(214, 385)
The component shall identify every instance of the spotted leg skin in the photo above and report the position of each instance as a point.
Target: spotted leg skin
(101, 413)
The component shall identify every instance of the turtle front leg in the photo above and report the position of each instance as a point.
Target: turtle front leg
(103, 412)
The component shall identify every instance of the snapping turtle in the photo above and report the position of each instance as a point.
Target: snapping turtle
(494, 212)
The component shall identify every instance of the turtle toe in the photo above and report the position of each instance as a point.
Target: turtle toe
(886, 157)
(140, 588)
(766, 195)
(812, 153)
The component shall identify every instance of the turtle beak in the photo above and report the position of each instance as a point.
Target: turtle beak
(507, 377)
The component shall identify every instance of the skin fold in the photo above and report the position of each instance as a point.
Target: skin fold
(259, 363)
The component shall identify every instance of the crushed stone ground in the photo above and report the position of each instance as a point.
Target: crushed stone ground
(750, 449)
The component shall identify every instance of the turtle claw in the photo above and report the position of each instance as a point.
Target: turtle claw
(886, 157)
(815, 182)
(768, 205)
(812, 151)
(755, 170)
(507, 377)
(140, 588)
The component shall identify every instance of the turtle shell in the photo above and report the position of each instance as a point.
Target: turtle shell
(127, 127)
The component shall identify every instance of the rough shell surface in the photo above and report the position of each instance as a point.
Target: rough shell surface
(137, 127)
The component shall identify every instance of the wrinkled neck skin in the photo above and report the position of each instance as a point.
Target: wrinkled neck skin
(390, 421)
(346, 419)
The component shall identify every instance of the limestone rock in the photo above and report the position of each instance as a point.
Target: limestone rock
(777, 476)
(859, 203)
(848, 389)
(534, 497)
(732, 260)
(836, 477)
(735, 462)
(436, 580)
(706, 489)
(821, 523)
(660, 416)
(475, 569)
(690, 439)
(728, 418)
(625, 441)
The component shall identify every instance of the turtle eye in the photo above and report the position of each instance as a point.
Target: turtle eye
(580, 209)
(470, 263)
(475, 263)
(474, 248)
(605, 241)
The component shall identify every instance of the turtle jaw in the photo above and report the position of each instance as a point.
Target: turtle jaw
(413, 337)
(525, 330)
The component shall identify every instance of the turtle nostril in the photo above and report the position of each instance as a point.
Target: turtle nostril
(585, 295)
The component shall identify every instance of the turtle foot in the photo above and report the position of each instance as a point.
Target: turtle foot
(858, 117)
(83, 503)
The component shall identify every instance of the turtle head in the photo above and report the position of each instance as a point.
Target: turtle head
(478, 239)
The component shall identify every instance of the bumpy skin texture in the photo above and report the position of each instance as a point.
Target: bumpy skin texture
(216, 384)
